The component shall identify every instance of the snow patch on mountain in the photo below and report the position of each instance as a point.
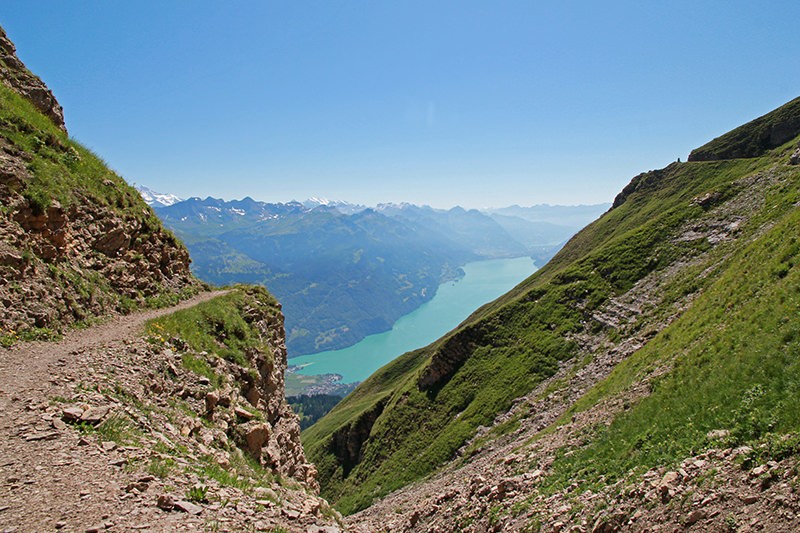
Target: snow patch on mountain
(157, 199)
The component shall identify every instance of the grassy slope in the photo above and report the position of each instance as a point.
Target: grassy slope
(219, 326)
(60, 168)
(63, 171)
(518, 340)
(735, 356)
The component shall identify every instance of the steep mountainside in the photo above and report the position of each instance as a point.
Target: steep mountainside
(76, 241)
(612, 389)
(176, 423)
(16, 76)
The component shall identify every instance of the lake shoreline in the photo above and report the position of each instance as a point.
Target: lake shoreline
(455, 300)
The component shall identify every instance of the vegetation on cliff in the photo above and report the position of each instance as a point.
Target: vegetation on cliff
(76, 241)
(690, 276)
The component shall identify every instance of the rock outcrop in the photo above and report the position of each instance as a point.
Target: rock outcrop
(794, 159)
(14, 74)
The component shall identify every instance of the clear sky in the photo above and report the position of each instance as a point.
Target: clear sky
(480, 104)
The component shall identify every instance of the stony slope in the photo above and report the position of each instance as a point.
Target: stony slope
(115, 426)
(661, 336)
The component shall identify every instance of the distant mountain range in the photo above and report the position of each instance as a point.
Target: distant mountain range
(345, 271)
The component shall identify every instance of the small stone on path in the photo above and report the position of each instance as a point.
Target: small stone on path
(72, 413)
(188, 507)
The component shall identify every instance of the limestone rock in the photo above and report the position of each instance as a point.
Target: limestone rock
(256, 435)
(794, 159)
(695, 516)
(72, 413)
(243, 413)
(718, 434)
(165, 502)
(211, 402)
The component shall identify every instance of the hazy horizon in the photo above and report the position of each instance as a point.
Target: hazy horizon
(355, 204)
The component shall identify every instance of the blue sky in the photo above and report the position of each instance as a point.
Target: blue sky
(438, 102)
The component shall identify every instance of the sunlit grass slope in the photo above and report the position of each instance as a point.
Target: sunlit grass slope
(413, 415)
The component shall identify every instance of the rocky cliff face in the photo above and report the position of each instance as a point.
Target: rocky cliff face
(236, 397)
(275, 440)
(76, 241)
(14, 74)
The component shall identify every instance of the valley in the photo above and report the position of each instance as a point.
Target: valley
(343, 272)
(454, 301)
(631, 367)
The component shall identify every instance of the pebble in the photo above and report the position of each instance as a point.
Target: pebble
(749, 499)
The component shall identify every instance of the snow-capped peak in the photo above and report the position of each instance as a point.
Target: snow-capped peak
(157, 199)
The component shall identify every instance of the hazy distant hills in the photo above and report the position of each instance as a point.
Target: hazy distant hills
(561, 215)
(344, 271)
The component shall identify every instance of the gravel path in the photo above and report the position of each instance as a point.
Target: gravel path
(51, 478)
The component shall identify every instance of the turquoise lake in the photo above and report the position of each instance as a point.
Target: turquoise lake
(454, 301)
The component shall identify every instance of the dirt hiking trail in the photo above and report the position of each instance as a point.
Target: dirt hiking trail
(50, 476)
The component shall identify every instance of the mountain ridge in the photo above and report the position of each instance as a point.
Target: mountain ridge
(574, 350)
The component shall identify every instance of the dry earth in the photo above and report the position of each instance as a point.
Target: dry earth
(56, 475)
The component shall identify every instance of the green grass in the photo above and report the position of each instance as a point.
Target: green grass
(200, 366)
(736, 367)
(120, 429)
(219, 326)
(161, 468)
(244, 473)
(198, 493)
(61, 169)
(509, 346)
